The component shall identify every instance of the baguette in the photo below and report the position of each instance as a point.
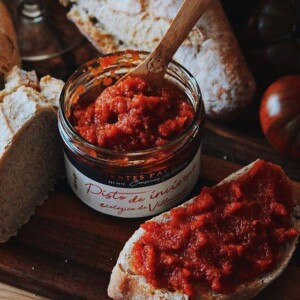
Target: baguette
(9, 52)
(126, 283)
(211, 52)
(30, 151)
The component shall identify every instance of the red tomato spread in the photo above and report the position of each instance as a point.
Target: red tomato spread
(231, 234)
(131, 115)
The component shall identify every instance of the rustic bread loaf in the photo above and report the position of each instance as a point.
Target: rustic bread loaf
(30, 151)
(125, 283)
(211, 52)
(9, 53)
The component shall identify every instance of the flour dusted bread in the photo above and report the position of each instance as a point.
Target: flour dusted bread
(9, 52)
(211, 52)
(30, 151)
(125, 283)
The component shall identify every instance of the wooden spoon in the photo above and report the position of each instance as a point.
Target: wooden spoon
(153, 68)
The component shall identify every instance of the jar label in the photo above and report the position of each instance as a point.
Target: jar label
(134, 202)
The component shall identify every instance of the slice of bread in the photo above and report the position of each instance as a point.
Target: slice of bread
(30, 150)
(211, 52)
(47, 90)
(125, 283)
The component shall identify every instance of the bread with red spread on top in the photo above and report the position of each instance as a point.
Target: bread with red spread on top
(211, 52)
(247, 258)
(30, 151)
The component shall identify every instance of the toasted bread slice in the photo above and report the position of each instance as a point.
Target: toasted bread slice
(125, 283)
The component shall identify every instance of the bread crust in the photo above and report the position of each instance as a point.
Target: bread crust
(126, 284)
(211, 52)
(9, 51)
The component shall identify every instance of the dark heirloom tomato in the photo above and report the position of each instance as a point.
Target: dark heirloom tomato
(273, 35)
(280, 115)
(239, 11)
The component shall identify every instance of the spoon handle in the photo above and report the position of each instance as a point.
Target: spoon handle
(154, 66)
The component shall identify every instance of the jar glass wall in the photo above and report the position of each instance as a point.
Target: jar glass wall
(131, 183)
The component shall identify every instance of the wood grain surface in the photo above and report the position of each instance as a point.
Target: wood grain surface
(67, 250)
(8, 292)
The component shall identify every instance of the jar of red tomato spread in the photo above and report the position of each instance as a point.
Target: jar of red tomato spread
(131, 150)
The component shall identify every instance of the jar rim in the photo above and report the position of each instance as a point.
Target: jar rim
(199, 109)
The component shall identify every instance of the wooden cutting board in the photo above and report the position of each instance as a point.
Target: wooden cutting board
(67, 250)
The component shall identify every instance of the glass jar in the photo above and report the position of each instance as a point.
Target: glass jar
(137, 183)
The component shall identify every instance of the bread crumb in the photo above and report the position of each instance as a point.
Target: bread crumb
(296, 211)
